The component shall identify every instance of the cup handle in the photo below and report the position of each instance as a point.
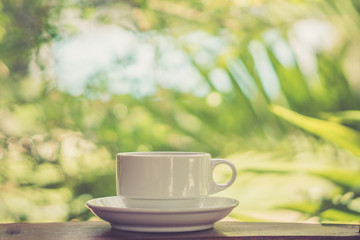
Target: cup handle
(215, 187)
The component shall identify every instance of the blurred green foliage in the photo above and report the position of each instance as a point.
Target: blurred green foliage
(289, 118)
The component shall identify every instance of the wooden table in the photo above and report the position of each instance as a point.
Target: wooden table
(222, 230)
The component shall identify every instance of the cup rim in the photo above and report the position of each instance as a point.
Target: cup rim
(163, 154)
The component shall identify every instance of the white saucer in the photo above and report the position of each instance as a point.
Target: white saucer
(202, 216)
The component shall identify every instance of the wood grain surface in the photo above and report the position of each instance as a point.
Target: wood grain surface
(222, 230)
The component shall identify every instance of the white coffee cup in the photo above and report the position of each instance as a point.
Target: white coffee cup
(168, 175)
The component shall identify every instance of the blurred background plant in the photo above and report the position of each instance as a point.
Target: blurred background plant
(272, 86)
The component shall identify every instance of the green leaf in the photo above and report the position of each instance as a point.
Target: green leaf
(345, 137)
(343, 116)
(342, 177)
(303, 207)
(338, 215)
